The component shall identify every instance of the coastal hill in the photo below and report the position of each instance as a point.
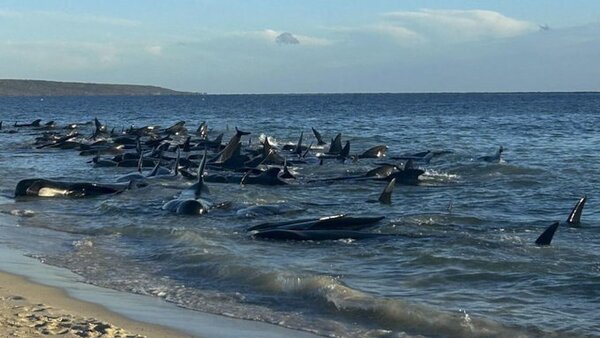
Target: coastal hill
(54, 88)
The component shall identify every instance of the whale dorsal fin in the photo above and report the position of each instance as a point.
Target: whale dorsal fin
(140, 166)
(199, 186)
(336, 145)
(318, 137)
(266, 147)
(286, 171)
(346, 150)
(386, 195)
(298, 149)
(176, 167)
(575, 215)
(186, 144)
(219, 139)
(307, 150)
(546, 236)
(202, 130)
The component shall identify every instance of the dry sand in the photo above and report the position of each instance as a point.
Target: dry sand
(32, 310)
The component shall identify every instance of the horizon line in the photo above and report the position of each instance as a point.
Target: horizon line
(194, 93)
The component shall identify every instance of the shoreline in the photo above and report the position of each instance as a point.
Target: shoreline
(36, 298)
(28, 308)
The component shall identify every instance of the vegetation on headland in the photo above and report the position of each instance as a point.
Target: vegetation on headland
(55, 88)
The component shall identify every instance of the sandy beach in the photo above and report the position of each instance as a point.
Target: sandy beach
(42, 300)
(28, 310)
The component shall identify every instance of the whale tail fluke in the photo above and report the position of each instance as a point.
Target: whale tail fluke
(575, 215)
(546, 236)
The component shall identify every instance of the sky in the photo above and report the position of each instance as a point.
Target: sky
(306, 46)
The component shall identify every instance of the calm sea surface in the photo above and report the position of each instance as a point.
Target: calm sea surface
(464, 265)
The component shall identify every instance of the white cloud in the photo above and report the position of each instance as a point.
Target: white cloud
(87, 19)
(154, 50)
(68, 55)
(458, 25)
(5, 13)
(400, 34)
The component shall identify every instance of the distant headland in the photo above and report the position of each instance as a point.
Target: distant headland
(11, 87)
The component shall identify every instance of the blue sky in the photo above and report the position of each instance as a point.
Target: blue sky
(285, 46)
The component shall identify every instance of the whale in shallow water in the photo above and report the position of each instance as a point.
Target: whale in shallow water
(35, 123)
(496, 158)
(386, 195)
(191, 200)
(374, 152)
(268, 177)
(40, 187)
(319, 138)
(546, 237)
(316, 235)
(335, 222)
(574, 219)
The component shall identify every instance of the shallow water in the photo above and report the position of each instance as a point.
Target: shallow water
(468, 270)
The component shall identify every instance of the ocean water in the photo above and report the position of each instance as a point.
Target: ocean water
(463, 263)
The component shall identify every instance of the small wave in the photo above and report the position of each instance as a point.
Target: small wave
(272, 140)
(83, 243)
(387, 314)
(20, 213)
(496, 169)
(432, 176)
(268, 210)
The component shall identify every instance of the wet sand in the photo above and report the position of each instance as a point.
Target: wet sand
(42, 300)
(28, 310)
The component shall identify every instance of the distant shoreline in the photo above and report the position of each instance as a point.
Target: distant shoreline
(11, 87)
(43, 88)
